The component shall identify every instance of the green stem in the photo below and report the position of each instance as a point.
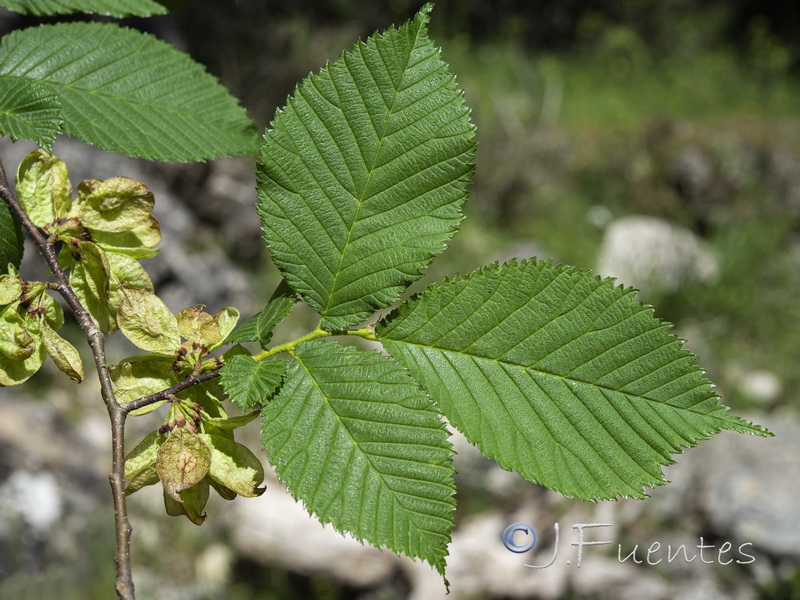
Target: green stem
(368, 333)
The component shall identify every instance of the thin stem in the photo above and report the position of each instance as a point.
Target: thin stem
(190, 381)
(290, 346)
(96, 340)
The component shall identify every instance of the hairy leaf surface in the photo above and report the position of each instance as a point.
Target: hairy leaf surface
(354, 438)
(558, 375)
(30, 111)
(128, 92)
(363, 174)
(111, 8)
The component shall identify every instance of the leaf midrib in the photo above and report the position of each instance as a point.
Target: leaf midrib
(360, 199)
(557, 377)
(122, 99)
(410, 512)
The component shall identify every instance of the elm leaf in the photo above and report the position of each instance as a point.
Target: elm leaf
(248, 383)
(28, 110)
(362, 176)
(111, 8)
(234, 466)
(258, 328)
(356, 440)
(558, 375)
(129, 92)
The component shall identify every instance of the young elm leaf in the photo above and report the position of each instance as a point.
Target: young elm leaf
(258, 328)
(140, 376)
(15, 342)
(89, 277)
(248, 383)
(14, 371)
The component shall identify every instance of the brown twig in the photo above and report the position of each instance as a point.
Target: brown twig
(190, 381)
(96, 339)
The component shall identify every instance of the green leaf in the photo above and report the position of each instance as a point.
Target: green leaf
(146, 321)
(30, 111)
(43, 187)
(12, 242)
(258, 328)
(128, 92)
(248, 383)
(558, 375)
(353, 436)
(140, 463)
(111, 8)
(363, 174)
(234, 466)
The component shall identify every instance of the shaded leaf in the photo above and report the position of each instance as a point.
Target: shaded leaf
(12, 242)
(363, 174)
(558, 375)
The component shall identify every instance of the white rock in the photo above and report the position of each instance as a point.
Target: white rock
(654, 255)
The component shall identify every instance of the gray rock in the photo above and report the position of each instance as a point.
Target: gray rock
(750, 490)
(654, 255)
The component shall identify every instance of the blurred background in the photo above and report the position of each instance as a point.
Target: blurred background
(654, 141)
